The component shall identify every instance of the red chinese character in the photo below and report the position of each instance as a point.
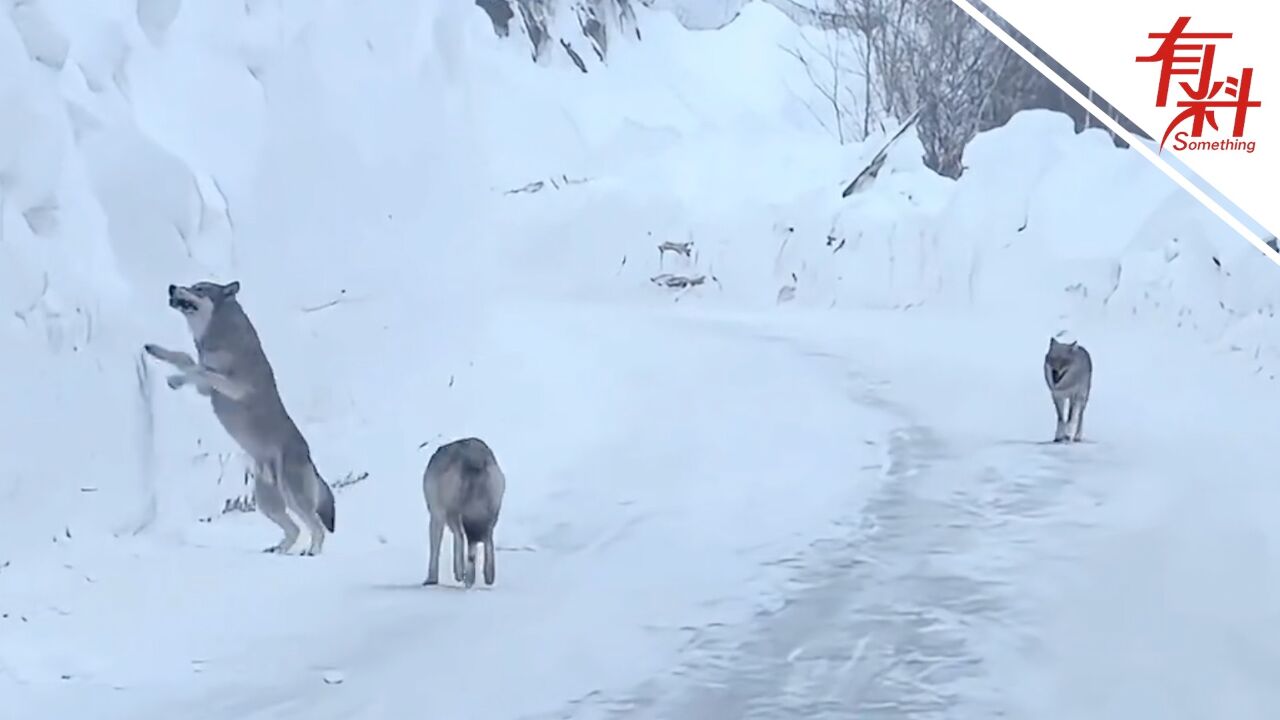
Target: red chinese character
(1171, 63)
(1200, 107)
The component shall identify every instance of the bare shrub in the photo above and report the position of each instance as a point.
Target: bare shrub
(928, 57)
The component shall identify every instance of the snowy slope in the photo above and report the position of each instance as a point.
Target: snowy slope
(314, 131)
(154, 178)
(683, 474)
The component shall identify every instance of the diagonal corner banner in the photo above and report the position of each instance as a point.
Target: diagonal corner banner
(1188, 92)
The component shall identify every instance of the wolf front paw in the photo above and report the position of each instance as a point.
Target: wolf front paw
(173, 357)
(175, 381)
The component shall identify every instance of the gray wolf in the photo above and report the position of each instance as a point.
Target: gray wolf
(232, 371)
(463, 486)
(1068, 371)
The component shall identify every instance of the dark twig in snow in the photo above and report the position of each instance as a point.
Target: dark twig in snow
(677, 281)
(341, 299)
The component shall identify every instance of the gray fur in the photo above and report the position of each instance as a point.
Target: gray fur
(233, 372)
(463, 486)
(1068, 371)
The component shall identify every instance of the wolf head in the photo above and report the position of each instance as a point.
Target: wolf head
(1060, 355)
(1063, 349)
(198, 303)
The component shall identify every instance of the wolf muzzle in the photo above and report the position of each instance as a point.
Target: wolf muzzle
(178, 302)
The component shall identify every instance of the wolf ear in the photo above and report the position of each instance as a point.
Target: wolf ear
(230, 289)
(1053, 342)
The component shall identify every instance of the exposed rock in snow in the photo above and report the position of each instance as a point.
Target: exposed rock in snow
(567, 24)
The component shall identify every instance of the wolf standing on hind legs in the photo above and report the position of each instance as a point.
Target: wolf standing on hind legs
(463, 486)
(233, 372)
(1068, 370)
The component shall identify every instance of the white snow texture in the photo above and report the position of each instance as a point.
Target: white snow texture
(814, 485)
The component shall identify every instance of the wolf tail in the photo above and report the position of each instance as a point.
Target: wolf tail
(477, 530)
(325, 508)
(475, 492)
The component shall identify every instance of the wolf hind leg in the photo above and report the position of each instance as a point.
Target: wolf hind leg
(315, 528)
(459, 548)
(469, 575)
(436, 533)
(490, 569)
(300, 489)
(479, 534)
(271, 502)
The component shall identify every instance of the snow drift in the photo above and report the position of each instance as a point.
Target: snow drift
(289, 146)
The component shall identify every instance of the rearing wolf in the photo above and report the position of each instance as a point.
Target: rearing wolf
(233, 372)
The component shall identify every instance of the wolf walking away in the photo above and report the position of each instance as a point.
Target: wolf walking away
(463, 486)
(233, 372)
(1068, 370)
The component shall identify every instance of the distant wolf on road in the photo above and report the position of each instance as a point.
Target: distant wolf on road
(1068, 371)
(233, 372)
(463, 486)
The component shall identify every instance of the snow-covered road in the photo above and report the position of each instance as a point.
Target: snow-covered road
(716, 516)
(993, 574)
(655, 467)
(908, 611)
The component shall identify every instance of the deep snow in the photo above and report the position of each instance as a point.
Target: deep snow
(750, 497)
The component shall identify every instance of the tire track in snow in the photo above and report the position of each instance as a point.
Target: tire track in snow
(911, 614)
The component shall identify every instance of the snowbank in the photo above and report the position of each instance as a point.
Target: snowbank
(288, 146)
(347, 166)
(1064, 225)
